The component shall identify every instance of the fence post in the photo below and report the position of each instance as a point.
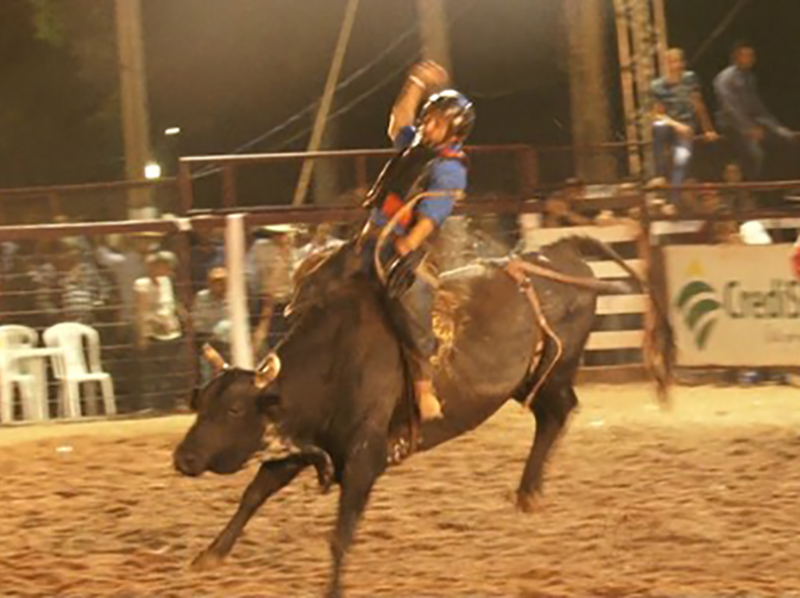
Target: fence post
(186, 293)
(235, 246)
(229, 186)
(361, 172)
(528, 164)
(185, 186)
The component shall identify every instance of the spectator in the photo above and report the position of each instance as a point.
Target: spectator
(271, 262)
(211, 307)
(743, 118)
(81, 293)
(210, 318)
(208, 251)
(158, 333)
(321, 240)
(678, 105)
(559, 207)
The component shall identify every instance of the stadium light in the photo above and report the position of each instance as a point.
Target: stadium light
(152, 171)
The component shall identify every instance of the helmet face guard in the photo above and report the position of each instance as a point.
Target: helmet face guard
(456, 109)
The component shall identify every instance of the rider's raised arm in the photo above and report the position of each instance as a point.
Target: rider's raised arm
(423, 79)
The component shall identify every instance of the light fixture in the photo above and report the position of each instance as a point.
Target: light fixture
(152, 170)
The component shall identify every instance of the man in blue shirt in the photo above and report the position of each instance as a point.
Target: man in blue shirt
(678, 106)
(414, 195)
(743, 118)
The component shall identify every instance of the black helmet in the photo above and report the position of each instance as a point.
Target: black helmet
(455, 107)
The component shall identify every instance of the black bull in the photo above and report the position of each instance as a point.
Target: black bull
(342, 397)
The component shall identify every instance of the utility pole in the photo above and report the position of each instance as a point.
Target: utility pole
(642, 43)
(433, 33)
(326, 101)
(453, 249)
(133, 96)
(588, 63)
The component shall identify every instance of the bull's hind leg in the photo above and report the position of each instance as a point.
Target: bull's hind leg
(551, 410)
(271, 477)
(364, 466)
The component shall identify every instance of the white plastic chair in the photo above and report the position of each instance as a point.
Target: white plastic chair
(70, 368)
(20, 367)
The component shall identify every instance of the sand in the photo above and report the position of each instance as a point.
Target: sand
(701, 501)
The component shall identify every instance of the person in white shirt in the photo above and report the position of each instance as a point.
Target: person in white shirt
(158, 332)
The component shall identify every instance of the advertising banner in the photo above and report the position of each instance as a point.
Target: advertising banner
(734, 305)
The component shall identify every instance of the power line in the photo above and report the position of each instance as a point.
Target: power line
(720, 29)
(341, 87)
(404, 65)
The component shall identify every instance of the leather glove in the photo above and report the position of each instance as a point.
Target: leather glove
(401, 273)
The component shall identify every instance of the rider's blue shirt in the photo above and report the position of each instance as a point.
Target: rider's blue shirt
(447, 173)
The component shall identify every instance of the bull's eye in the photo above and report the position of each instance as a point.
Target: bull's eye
(236, 410)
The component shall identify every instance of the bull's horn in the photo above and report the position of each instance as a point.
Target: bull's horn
(268, 371)
(214, 358)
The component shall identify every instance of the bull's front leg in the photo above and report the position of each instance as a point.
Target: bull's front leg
(364, 465)
(271, 477)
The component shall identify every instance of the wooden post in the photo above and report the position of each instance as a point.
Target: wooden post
(185, 187)
(660, 22)
(528, 164)
(644, 55)
(433, 33)
(628, 97)
(361, 172)
(325, 102)
(133, 99)
(590, 109)
(229, 199)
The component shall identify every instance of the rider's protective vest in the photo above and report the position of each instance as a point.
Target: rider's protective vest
(404, 176)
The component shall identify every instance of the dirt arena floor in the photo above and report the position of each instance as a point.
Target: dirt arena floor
(702, 501)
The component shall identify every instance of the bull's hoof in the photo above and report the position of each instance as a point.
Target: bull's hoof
(527, 503)
(206, 561)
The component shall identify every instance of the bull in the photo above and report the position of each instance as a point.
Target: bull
(336, 390)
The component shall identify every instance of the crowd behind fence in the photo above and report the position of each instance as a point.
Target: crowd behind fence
(154, 290)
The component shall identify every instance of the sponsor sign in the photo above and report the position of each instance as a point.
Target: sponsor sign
(734, 305)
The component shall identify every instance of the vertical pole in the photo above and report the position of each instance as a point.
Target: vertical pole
(185, 186)
(590, 109)
(528, 163)
(361, 172)
(433, 32)
(133, 99)
(644, 55)
(229, 199)
(235, 248)
(660, 21)
(628, 98)
(327, 99)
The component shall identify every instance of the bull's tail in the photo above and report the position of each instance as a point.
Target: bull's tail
(659, 342)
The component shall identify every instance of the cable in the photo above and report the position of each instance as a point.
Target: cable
(724, 24)
(211, 169)
(341, 87)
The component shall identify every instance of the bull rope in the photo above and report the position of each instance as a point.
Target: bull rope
(518, 271)
(389, 227)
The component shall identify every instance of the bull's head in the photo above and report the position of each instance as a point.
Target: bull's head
(322, 276)
(233, 411)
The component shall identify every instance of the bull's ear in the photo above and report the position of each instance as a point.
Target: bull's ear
(267, 401)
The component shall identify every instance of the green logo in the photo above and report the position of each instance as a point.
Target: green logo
(699, 306)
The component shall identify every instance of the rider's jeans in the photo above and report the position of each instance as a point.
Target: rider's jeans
(413, 313)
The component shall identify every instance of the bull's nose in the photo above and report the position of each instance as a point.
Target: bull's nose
(187, 463)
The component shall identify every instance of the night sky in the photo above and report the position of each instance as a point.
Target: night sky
(227, 72)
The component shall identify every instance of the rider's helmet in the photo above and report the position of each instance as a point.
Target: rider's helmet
(456, 108)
